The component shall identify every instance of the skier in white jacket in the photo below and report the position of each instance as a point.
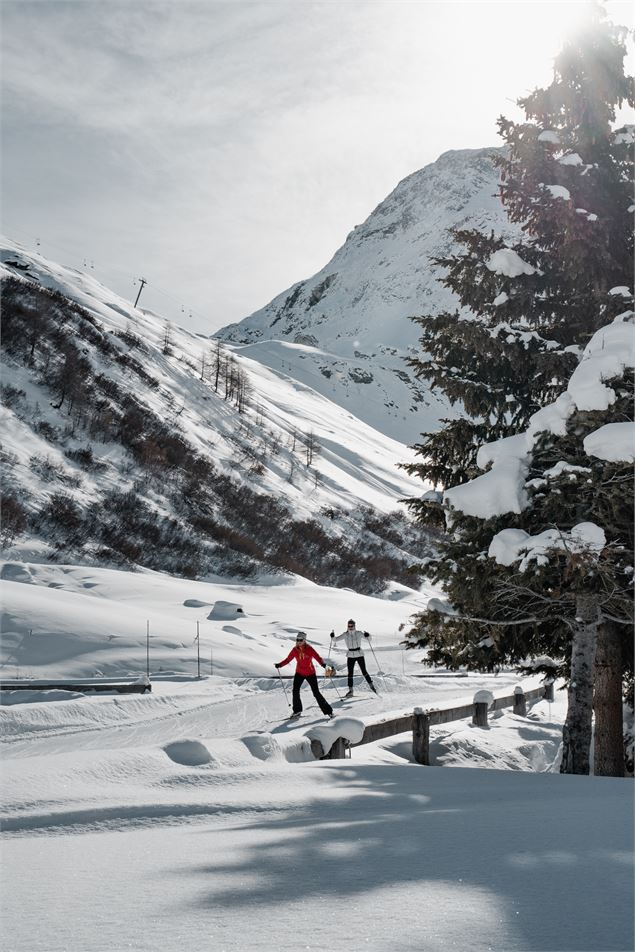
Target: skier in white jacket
(353, 639)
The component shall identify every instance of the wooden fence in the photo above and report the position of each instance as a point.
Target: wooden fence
(420, 722)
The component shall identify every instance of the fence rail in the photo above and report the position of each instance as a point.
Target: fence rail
(420, 722)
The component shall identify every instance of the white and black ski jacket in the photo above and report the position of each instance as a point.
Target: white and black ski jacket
(353, 641)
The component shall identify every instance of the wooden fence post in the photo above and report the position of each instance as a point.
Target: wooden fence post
(520, 703)
(479, 717)
(317, 750)
(338, 750)
(421, 737)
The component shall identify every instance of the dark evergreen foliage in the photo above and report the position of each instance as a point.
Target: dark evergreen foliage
(501, 361)
(566, 178)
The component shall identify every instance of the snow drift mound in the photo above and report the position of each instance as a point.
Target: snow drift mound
(188, 753)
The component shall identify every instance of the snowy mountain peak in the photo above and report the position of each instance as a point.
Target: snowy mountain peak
(354, 312)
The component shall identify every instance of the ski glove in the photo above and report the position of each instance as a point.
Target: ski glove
(366, 635)
(276, 665)
(332, 634)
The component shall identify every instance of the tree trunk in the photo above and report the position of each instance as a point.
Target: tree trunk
(576, 735)
(608, 758)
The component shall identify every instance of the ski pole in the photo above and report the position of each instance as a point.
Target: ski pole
(330, 645)
(379, 671)
(334, 685)
(283, 687)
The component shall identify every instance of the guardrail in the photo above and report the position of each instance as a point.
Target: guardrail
(420, 722)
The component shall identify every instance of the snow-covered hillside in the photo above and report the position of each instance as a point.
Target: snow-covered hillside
(345, 330)
(75, 381)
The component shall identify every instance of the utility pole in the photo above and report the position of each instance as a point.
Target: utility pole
(198, 650)
(148, 649)
(142, 283)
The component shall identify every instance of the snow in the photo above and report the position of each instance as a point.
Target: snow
(501, 298)
(484, 697)
(498, 491)
(188, 753)
(441, 606)
(226, 611)
(353, 314)
(562, 467)
(78, 621)
(608, 354)
(356, 464)
(559, 191)
(571, 158)
(195, 816)
(516, 545)
(118, 844)
(610, 351)
(548, 135)
(508, 262)
(622, 291)
(624, 138)
(350, 728)
(614, 442)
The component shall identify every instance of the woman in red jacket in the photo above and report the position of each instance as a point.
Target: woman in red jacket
(304, 655)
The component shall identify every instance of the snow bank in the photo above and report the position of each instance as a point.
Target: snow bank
(613, 442)
(350, 728)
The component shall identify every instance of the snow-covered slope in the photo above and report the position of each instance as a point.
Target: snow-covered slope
(194, 814)
(350, 319)
(128, 365)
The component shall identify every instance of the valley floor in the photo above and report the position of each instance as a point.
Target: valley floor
(195, 818)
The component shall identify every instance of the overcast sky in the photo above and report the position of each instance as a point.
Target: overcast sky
(224, 150)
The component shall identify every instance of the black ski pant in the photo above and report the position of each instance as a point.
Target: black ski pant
(350, 664)
(325, 707)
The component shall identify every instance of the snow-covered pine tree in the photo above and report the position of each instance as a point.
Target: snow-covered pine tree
(525, 309)
(551, 526)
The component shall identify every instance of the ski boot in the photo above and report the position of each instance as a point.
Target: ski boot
(349, 693)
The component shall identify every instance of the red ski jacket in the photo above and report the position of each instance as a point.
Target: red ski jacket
(304, 656)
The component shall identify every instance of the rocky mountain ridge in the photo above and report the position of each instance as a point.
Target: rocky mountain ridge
(346, 329)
